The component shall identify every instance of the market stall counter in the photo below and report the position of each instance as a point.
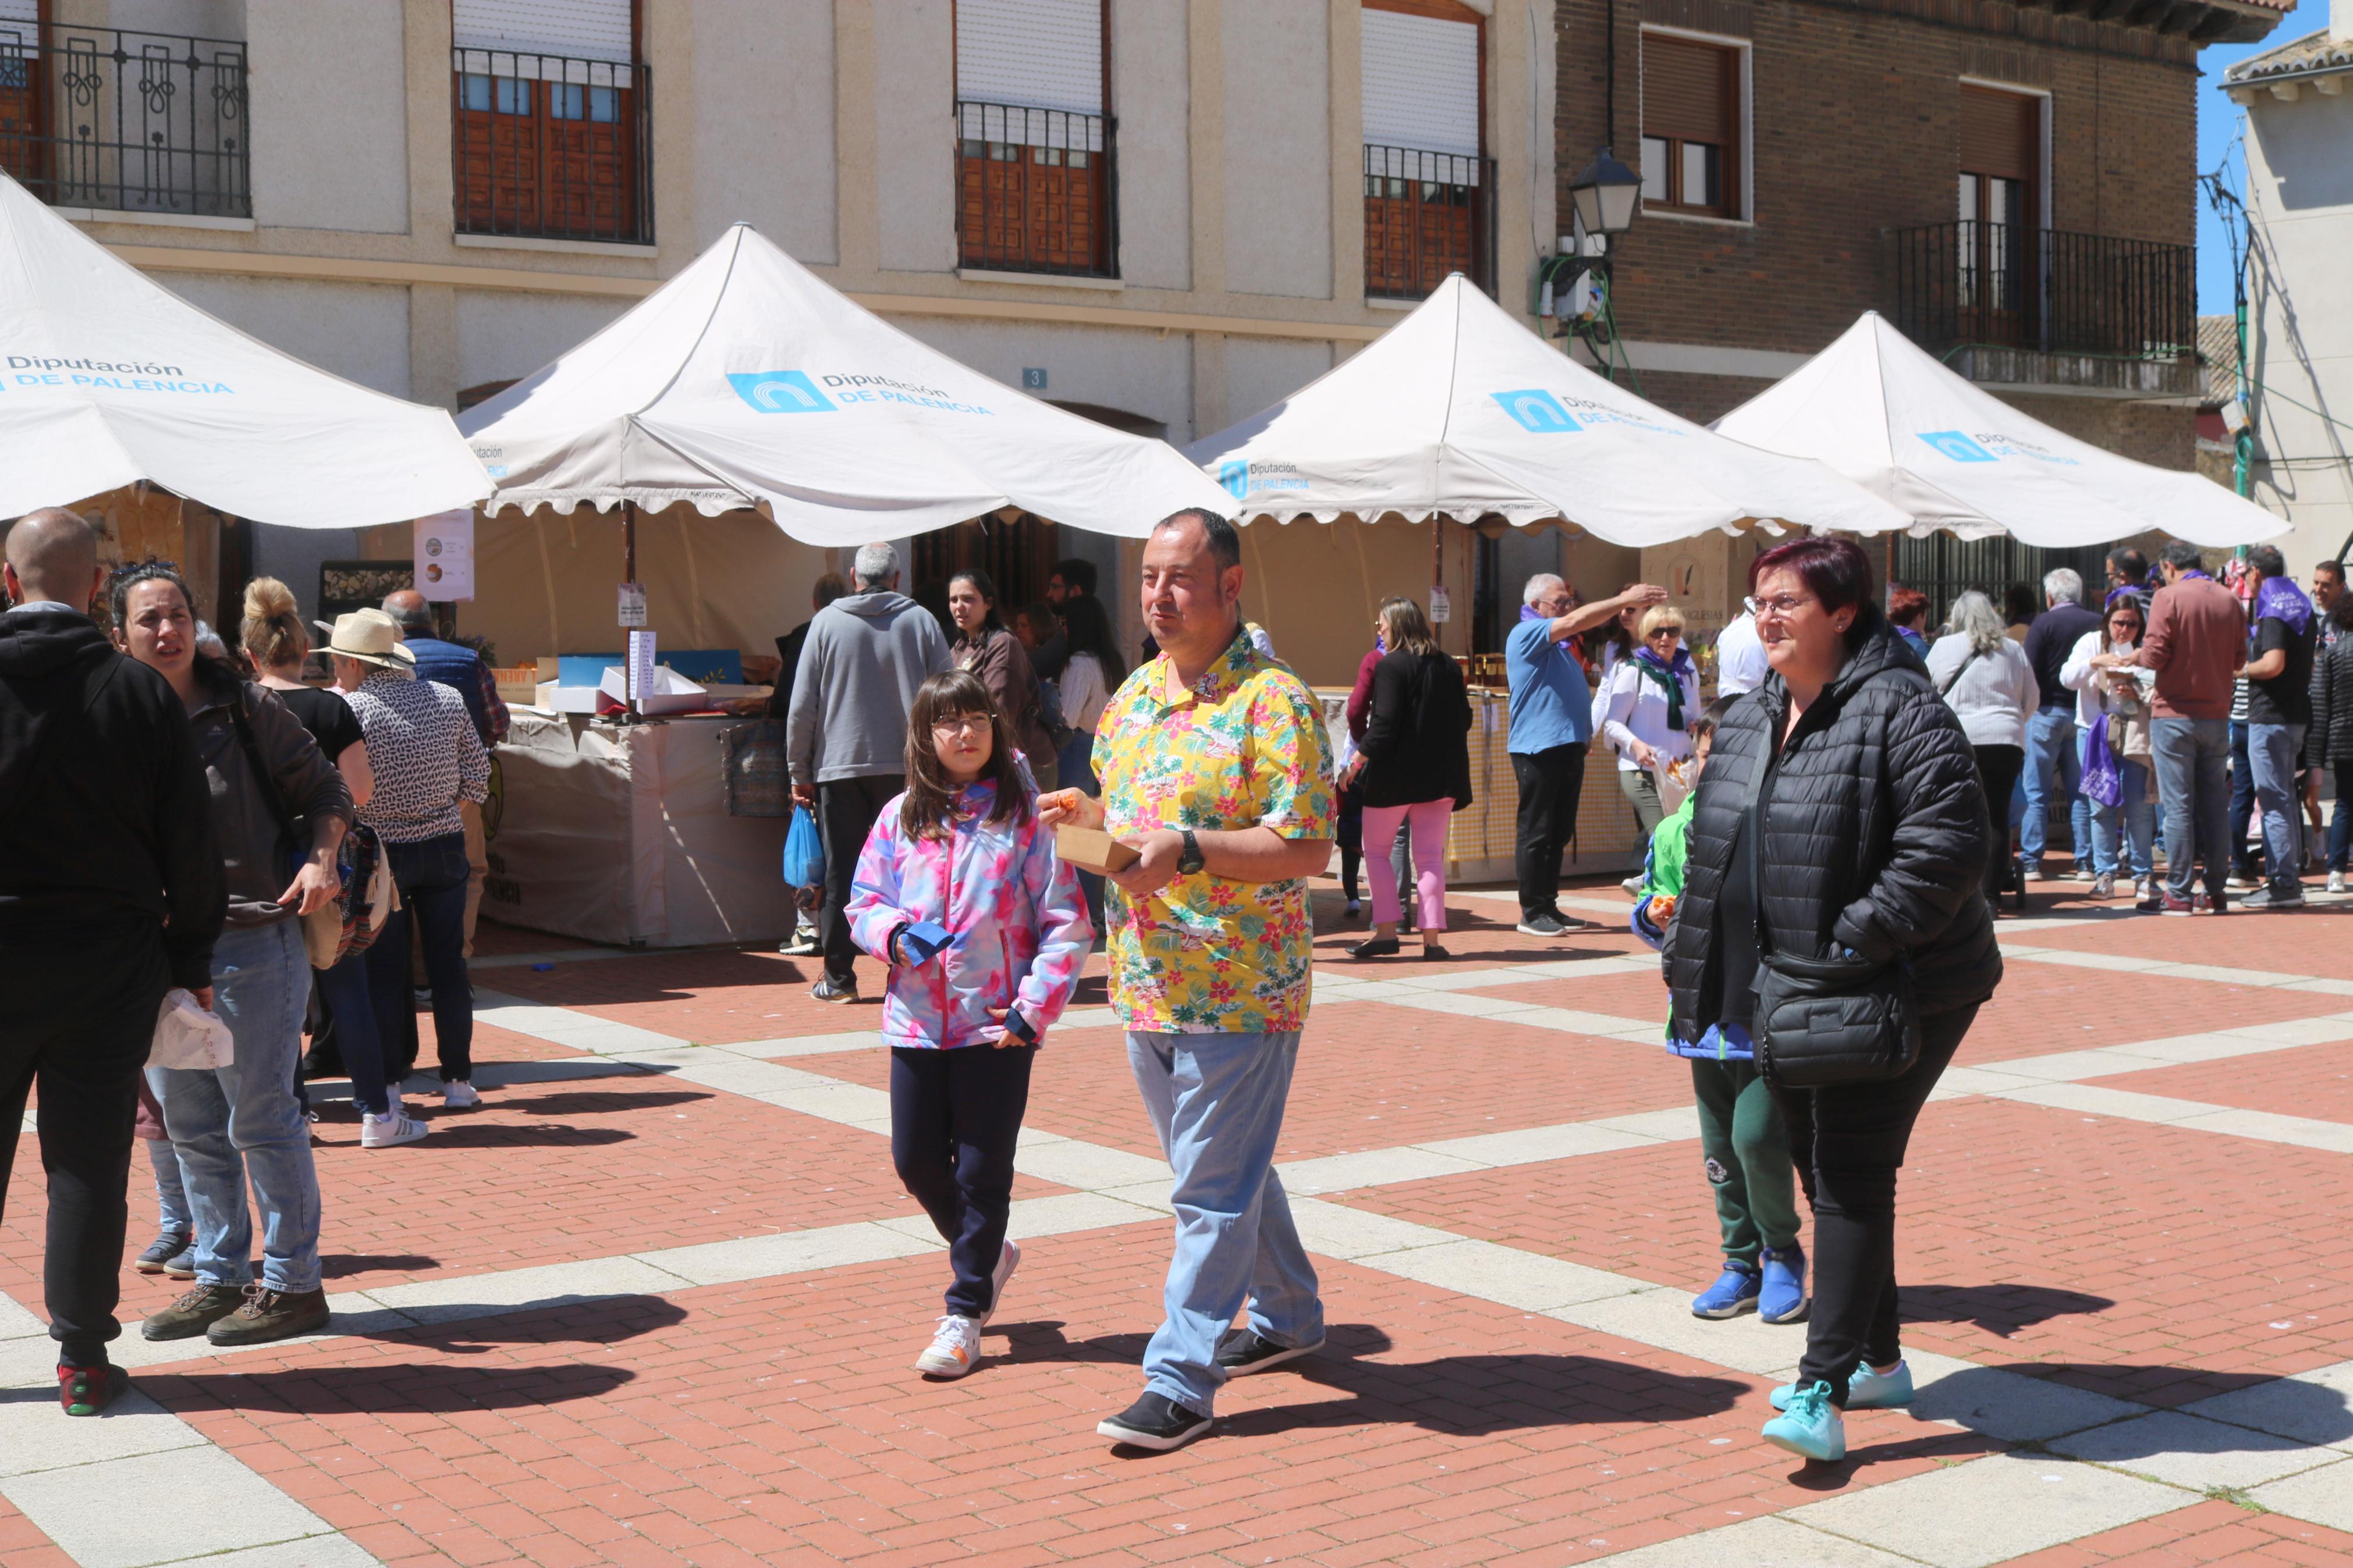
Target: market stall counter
(622, 833)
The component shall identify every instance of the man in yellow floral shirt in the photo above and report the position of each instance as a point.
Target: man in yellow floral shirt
(1214, 767)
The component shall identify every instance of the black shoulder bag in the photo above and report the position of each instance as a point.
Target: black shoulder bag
(1820, 1022)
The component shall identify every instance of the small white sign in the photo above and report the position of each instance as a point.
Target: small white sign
(1441, 609)
(641, 668)
(445, 555)
(633, 604)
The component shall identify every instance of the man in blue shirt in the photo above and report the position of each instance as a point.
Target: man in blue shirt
(1552, 720)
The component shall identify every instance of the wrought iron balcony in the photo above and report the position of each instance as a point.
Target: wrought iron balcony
(2006, 303)
(120, 121)
(1427, 214)
(549, 147)
(1036, 190)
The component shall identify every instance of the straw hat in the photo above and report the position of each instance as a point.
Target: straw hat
(369, 635)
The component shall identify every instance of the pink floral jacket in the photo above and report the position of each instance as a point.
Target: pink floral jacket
(1022, 926)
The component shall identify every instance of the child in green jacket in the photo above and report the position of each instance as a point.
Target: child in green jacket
(1740, 1132)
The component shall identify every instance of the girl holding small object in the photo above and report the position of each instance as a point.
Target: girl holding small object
(959, 891)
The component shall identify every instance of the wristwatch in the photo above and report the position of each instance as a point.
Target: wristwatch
(1190, 861)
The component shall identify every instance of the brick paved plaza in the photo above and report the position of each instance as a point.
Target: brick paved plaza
(656, 1301)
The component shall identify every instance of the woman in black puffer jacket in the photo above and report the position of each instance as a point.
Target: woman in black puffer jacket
(1875, 842)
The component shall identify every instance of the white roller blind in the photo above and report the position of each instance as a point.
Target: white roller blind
(1421, 83)
(584, 29)
(1043, 54)
(20, 10)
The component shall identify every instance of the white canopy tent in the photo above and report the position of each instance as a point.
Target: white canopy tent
(1459, 410)
(746, 381)
(107, 379)
(1880, 410)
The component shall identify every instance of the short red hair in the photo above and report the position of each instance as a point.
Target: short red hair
(1905, 606)
(1834, 570)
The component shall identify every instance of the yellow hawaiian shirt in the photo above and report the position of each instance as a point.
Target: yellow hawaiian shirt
(1244, 747)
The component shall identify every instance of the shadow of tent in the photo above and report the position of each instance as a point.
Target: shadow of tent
(1998, 1309)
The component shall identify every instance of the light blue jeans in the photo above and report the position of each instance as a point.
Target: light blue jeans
(2279, 789)
(2134, 821)
(239, 1123)
(171, 1192)
(1217, 1102)
(2193, 783)
(2051, 750)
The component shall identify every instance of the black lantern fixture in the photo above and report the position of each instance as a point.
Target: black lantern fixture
(1604, 193)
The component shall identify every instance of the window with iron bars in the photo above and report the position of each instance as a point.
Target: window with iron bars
(125, 122)
(551, 147)
(1426, 214)
(1036, 190)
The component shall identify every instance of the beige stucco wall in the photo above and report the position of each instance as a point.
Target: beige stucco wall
(358, 331)
(505, 337)
(778, 175)
(1151, 90)
(1145, 374)
(328, 74)
(914, 173)
(1278, 148)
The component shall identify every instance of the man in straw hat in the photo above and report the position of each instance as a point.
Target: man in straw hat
(426, 757)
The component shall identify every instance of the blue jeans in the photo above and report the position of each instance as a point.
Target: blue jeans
(171, 1192)
(2050, 748)
(2191, 756)
(239, 1123)
(431, 875)
(1217, 1102)
(358, 1041)
(2243, 804)
(2272, 750)
(2137, 819)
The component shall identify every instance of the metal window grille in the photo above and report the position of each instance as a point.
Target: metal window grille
(124, 120)
(1036, 190)
(1427, 214)
(2009, 286)
(552, 147)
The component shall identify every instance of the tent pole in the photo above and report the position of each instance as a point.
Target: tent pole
(628, 575)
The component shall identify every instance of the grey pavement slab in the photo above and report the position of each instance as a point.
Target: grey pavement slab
(162, 1507)
(2191, 1451)
(1991, 1509)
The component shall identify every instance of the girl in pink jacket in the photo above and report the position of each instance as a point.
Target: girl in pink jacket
(959, 891)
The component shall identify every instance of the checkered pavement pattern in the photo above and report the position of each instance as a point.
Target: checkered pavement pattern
(656, 1300)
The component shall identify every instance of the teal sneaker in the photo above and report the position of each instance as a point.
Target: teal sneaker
(1811, 1426)
(1866, 1390)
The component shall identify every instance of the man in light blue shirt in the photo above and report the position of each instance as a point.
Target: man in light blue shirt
(1552, 720)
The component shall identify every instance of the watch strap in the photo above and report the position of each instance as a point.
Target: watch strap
(1191, 860)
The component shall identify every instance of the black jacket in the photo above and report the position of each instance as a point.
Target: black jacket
(2331, 733)
(106, 821)
(1416, 742)
(1875, 834)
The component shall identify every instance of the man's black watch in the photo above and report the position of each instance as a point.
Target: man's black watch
(1190, 861)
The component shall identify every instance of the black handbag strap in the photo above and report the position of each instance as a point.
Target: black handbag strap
(1752, 832)
(1955, 678)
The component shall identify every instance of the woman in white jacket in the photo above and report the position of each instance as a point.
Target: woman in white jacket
(1990, 688)
(1645, 701)
(2118, 695)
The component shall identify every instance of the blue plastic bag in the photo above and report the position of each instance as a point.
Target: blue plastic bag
(803, 851)
(2103, 782)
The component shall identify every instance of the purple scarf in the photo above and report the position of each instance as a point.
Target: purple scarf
(2281, 600)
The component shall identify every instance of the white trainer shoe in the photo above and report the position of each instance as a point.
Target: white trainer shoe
(1006, 1262)
(2337, 882)
(457, 1094)
(394, 1126)
(954, 1349)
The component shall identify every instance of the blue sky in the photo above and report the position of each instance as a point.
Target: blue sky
(2218, 122)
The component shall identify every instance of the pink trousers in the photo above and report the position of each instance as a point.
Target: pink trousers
(1427, 824)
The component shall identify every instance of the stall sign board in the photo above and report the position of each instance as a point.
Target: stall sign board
(445, 555)
(633, 604)
(1440, 608)
(640, 669)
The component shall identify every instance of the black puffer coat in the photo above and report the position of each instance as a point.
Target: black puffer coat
(2330, 736)
(1416, 744)
(1874, 835)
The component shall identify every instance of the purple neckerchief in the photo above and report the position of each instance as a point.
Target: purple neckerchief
(1530, 613)
(2280, 600)
(2132, 590)
(2185, 573)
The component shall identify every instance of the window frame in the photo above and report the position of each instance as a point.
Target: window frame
(1401, 198)
(976, 253)
(1738, 174)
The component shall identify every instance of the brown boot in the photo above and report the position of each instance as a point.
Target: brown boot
(269, 1315)
(194, 1312)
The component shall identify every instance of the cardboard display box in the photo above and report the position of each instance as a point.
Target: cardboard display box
(1091, 849)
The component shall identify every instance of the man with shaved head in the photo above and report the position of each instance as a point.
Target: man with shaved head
(112, 893)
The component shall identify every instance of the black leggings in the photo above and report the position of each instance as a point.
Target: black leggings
(1849, 1143)
(954, 1118)
(1998, 771)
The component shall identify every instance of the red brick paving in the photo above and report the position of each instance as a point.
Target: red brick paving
(2312, 941)
(22, 1545)
(2314, 1080)
(2207, 1533)
(2043, 1008)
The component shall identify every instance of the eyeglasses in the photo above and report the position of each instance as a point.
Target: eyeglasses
(1785, 606)
(965, 724)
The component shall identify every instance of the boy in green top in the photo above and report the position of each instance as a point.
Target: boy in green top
(1740, 1132)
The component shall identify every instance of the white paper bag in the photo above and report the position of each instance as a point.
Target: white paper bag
(189, 1035)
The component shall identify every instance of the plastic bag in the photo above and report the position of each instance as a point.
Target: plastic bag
(2103, 782)
(189, 1036)
(804, 850)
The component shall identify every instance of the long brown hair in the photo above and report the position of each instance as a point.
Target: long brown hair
(1404, 628)
(929, 805)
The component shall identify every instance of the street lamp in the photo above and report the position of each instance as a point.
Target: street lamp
(1603, 195)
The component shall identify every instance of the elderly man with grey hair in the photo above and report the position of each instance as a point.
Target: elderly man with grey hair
(2054, 754)
(1552, 720)
(846, 733)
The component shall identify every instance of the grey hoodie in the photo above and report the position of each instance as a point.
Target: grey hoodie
(864, 657)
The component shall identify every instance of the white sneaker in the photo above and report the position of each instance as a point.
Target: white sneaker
(1006, 1262)
(394, 1126)
(457, 1094)
(2337, 882)
(954, 1349)
(1633, 886)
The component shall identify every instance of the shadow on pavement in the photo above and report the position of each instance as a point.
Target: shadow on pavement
(416, 1388)
(447, 1134)
(343, 1265)
(2001, 1309)
(598, 1102)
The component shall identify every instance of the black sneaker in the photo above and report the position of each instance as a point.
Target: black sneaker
(163, 1249)
(1245, 1351)
(2273, 898)
(194, 1312)
(269, 1315)
(86, 1390)
(1541, 925)
(1156, 1422)
(827, 991)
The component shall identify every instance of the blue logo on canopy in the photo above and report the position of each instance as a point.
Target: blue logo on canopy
(1235, 476)
(780, 392)
(1538, 411)
(1955, 446)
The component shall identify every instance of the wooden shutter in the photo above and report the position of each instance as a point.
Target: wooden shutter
(1042, 53)
(1421, 83)
(2001, 133)
(1689, 89)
